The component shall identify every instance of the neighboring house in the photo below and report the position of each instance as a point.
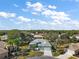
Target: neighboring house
(41, 45)
(38, 36)
(63, 36)
(4, 37)
(75, 48)
(71, 51)
(3, 52)
(76, 36)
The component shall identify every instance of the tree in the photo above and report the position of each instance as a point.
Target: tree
(29, 38)
(14, 42)
(22, 37)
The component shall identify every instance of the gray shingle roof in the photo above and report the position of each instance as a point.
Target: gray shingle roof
(43, 42)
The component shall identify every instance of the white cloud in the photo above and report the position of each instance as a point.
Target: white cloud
(53, 13)
(48, 12)
(60, 17)
(28, 4)
(18, 22)
(7, 15)
(56, 19)
(16, 5)
(34, 13)
(57, 22)
(23, 19)
(56, 15)
(24, 10)
(36, 6)
(42, 8)
(52, 7)
(42, 22)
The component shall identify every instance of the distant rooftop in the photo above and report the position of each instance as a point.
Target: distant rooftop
(38, 36)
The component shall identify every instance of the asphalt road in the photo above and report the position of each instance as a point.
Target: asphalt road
(42, 57)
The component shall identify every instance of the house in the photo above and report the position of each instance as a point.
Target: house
(41, 45)
(76, 36)
(3, 52)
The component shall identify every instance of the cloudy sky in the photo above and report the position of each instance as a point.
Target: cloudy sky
(39, 14)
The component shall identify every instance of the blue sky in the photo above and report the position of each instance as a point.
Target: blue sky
(39, 14)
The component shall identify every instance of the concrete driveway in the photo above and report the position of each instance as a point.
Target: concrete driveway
(47, 52)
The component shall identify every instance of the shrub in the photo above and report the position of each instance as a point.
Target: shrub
(56, 53)
(72, 57)
(35, 53)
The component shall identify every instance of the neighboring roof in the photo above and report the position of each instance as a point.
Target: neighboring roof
(38, 36)
(3, 51)
(74, 46)
(42, 42)
(2, 44)
(41, 57)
